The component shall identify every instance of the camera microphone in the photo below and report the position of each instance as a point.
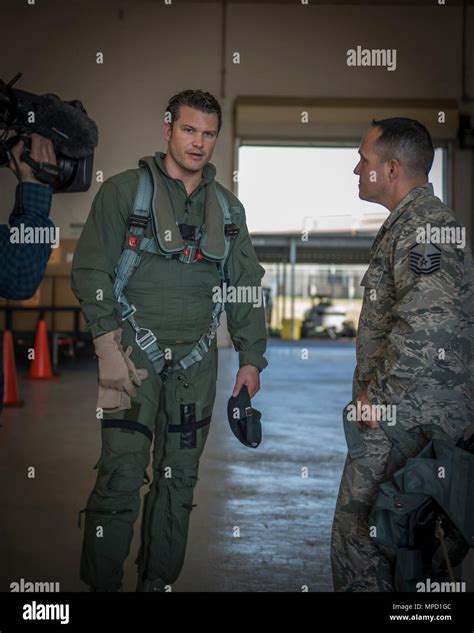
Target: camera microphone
(69, 128)
(65, 123)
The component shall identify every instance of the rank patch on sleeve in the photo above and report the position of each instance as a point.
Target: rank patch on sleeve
(425, 259)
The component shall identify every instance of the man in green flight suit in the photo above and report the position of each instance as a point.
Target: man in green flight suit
(171, 294)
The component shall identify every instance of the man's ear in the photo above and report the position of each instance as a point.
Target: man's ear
(393, 169)
(167, 130)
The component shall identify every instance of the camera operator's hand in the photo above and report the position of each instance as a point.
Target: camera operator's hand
(42, 151)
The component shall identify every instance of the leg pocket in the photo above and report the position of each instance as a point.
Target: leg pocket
(127, 478)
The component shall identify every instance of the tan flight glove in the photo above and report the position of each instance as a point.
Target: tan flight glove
(117, 373)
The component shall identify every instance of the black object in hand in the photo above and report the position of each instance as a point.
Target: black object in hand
(244, 420)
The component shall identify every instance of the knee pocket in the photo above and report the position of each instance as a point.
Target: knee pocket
(126, 478)
(180, 481)
(185, 477)
(183, 485)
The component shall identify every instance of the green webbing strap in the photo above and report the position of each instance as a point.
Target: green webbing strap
(130, 256)
(149, 245)
(130, 259)
(202, 346)
(227, 220)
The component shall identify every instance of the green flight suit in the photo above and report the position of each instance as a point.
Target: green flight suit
(175, 300)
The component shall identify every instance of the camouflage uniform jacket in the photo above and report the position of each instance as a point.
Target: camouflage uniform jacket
(415, 338)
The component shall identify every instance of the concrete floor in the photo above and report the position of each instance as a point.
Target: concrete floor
(284, 519)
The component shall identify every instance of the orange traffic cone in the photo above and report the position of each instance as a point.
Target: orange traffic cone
(41, 365)
(11, 397)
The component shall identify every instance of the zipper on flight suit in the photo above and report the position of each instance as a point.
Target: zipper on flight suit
(143, 558)
(187, 204)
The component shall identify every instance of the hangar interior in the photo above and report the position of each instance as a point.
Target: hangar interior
(279, 70)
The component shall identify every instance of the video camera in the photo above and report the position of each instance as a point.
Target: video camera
(73, 134)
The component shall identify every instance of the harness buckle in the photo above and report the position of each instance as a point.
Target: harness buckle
(190, 231)
(211, 334)
(146, 340)
(188, 254)
(128, 312)
(138, 221)
(231, 230)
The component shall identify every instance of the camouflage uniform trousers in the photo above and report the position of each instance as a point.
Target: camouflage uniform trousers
(357, 562)
(159, 412)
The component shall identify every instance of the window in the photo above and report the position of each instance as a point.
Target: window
(296, 188)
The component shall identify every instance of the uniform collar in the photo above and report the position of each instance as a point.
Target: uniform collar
(415, 193)
(208, 172)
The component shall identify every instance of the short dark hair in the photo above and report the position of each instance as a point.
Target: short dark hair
(197, 99)
(408, 141)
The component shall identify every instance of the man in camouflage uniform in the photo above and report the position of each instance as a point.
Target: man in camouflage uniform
(415, 334)
(174, 296)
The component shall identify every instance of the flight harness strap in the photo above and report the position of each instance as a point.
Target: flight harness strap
(135, 244)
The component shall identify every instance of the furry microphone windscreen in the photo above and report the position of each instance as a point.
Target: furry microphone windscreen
(73, 133)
